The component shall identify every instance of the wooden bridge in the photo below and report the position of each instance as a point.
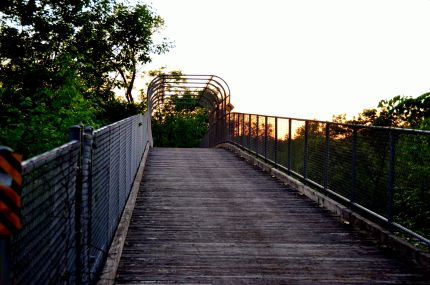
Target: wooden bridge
(276, 200)
(204, 216)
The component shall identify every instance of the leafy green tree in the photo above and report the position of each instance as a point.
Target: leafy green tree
(179, 128)
(412, 157)
(117, 43)
(400, 111)
(37, 123)
(62, 60)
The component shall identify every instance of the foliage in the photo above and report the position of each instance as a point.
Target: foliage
(400, 111)
(59, 65)
(117, 109)
(412, 157)
(175, 126)
(116, 43)
(37, 123)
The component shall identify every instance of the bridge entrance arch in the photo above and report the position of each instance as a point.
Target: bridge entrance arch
(208, 91)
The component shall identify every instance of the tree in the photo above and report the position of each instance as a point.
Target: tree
(175, 127)
(117, 42)
(35, 123)
(400, 111)
(59, 63)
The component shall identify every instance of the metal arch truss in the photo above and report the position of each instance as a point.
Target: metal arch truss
(208, 91)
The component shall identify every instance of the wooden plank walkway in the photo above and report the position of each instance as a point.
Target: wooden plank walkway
(203, 216)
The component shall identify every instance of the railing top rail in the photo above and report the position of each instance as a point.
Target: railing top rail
(349, 125)
(40, 159)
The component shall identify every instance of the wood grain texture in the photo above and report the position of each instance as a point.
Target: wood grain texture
(203, 216)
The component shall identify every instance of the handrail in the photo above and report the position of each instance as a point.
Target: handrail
(72, 200)
(360, 166)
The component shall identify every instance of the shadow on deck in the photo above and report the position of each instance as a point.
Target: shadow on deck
(203, 216)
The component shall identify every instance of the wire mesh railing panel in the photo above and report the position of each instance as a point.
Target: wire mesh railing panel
(261, 146)
(254, 134)
(72, 200)
(298, 147)
(243, 129)
(339, 174)
(412, 182)
(382, 172)
(122, 172)
(373, 154)
(246, 141)
(239, 129)
(270, 139)
(44, 252)
(99, 220)
(116, 158)
(316, 152)
(114, 179)
(283, 135)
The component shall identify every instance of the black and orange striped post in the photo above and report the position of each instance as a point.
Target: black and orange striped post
(10, 191)
(10, 205)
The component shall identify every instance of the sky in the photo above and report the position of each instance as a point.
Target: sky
(302, 58)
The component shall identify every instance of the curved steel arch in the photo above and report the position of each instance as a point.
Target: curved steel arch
(209, 91)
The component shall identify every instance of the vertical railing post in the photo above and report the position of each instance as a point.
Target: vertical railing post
(327, 155)
(216, 128)
(289, 146)
(243, 131)
(265, 137)
(257, 135)
(236, 127)
(391, 177)
(75, 133)
(229, 127)
(249, 132)
(275, 154)
(354, 166)
(305, 152)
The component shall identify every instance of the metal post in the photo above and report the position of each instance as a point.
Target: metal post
(76, 134)
(229, 127)
(257, 136)
(391, 177)
(275, 155)
(354, 166)
(265, 138)
(243, 130)
(327, 155)
(236, 127)
(289, 146)
(249, 132)
(216, 128)
(305, 153)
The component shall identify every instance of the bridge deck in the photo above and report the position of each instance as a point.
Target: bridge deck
(205, 217)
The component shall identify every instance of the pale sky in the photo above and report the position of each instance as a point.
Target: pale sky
(302, 58)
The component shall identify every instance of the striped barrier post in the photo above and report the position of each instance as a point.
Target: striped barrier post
(10, 205)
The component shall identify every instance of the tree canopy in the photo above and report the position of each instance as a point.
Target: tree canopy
(399, 111)
(61, 62)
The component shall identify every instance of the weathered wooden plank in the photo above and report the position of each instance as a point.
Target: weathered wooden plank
(205, 217)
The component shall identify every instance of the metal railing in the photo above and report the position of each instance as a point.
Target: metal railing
(383, 173)
(72, 201)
